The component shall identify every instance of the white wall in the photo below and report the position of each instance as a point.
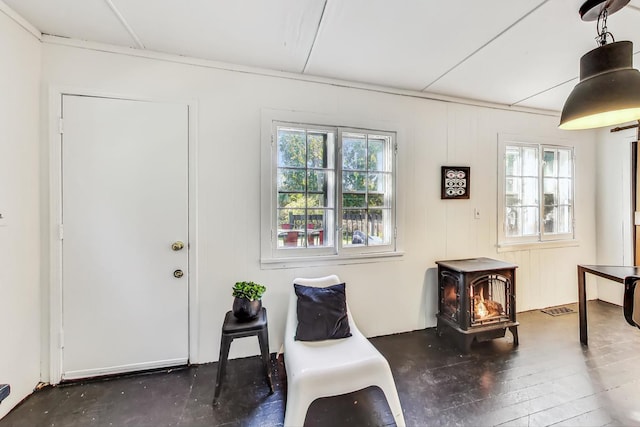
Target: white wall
(20, 54)
(386, 297)
(614, 225)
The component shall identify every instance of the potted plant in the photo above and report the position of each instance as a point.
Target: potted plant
(247, 303)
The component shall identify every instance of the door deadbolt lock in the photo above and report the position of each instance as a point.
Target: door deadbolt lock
(176, 246)
(178, 274)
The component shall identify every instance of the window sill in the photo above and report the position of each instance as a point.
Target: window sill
(512, 247)
(315, 261)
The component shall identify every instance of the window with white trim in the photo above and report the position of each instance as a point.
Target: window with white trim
(332, 191)
(536, 192)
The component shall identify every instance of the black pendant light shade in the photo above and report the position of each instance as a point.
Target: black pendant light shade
(608, 92)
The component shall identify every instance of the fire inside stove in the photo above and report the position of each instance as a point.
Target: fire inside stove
(488, 299)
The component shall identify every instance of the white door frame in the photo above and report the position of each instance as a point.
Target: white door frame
(55, 219)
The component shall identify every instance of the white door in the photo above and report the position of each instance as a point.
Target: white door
(124, 203)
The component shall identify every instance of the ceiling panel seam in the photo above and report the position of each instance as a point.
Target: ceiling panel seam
(126, 25)
(543, 91)
(523, 17)
(324, 7)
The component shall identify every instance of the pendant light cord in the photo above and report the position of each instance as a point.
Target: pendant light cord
(601, 27)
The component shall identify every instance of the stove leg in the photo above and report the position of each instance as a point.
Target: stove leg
(514, 332)
(464, 342)
(438, 329)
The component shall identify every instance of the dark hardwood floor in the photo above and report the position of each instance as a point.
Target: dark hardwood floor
(550, 379)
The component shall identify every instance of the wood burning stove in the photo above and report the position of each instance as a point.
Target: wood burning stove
(476, 300)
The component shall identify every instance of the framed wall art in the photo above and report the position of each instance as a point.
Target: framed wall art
(456, 182)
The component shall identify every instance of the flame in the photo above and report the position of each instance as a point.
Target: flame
(484, 308)
(481, 309)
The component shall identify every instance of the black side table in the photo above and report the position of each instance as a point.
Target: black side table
(231, 329)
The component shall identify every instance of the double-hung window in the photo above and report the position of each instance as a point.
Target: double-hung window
(332, 191)
(536, 192)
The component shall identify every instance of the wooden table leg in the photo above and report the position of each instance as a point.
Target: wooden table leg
(582, 305)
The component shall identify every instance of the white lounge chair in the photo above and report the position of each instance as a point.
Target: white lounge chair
(331, 367)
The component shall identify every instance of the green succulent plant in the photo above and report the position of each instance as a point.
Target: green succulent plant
(249, 290)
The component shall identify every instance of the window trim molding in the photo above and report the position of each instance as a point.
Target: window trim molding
(547, 244)
(539, 241)
(314, 261)
(270, 258)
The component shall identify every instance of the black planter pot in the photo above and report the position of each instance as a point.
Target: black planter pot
(246, 310)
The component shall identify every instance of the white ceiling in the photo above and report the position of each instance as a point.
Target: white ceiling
(523, 53)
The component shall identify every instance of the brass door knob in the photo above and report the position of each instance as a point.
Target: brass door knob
(178, 274)
(176, 246)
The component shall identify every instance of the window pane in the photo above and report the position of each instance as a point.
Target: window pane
(513, 196)
(292, 148)
(529, 161)
(376, 182)
(564, 163)
(564, 191)
(550, 191)
(549, 163)
(376, 200)
(354, 181)
(530, 191)
(522, 221)
(354, 226)
(564, 220)
(288, 200)
(317, 150)
(315, 201)
(354, 152)
(291, 180)
(513, 226)
(351, 200)
(549, 220)
(317, 181)
(530, 221)
(376, 235)
(285, 217)
(512, 159)
(360, 228)
(549, 208)
(512, 200)
(288, 235)
(315, 218)
(297, 219)
(549, 200)
(289, 238)
(377, 153)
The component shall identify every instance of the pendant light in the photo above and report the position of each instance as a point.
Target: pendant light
(609, 89)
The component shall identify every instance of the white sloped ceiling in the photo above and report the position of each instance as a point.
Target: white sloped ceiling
(523, 53)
